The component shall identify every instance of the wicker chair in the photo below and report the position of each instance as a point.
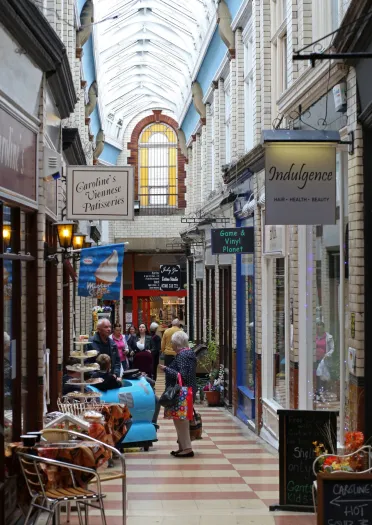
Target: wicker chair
(64, 433)
(366, 449)
(50, 500)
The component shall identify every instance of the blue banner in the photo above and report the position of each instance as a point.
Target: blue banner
(100, 272)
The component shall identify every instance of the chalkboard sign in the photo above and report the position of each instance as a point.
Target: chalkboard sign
(232, 240)
(298, 429)
(344, 499)
(146, 280)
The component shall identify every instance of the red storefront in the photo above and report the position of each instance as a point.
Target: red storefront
(143, 300)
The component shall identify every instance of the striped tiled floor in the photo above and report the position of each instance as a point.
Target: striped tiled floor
(232, 480)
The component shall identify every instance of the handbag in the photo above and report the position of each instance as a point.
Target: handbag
(183, 408)
(196, 427)
(170, 396)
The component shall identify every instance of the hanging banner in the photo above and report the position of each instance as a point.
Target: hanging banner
(100, 272)
(300, 183)
(170, 277)
(104, 193)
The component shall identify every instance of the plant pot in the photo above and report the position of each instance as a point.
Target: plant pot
(213, 398)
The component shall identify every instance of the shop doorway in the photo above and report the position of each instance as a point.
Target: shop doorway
(146, 309)
(225, 331)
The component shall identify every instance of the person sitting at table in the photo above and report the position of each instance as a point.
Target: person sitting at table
(67, 387)
(110, 382)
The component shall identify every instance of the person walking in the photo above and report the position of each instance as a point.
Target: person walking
(122, 345)
(184, 364)
(156, 349)
(166, 345)
(325, 347)
(104, 345)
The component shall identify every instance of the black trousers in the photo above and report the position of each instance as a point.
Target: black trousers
(155, 364)
(168, 360)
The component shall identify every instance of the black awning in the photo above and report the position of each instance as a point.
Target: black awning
(72, 147)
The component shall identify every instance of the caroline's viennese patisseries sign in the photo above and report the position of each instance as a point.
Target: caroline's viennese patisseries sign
(100, 193)
(100, 272)
(17, 159)
(300, 183)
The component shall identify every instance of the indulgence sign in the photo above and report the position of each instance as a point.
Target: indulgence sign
(300, 183)
(232, 240)
(100, 193)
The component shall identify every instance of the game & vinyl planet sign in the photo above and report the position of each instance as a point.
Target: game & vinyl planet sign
(232, 240)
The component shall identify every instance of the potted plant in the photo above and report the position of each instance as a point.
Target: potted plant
(214, 387)
(215, 374)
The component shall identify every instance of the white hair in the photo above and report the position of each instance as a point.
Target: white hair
(101, 321)
(176, 322)
(154, 326)
(180, 339)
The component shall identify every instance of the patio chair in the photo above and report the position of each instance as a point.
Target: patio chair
(106, 477)
(50, 500)
(366, 449)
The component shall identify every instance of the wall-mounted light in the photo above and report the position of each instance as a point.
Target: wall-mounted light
(65, 230)
(7, 234)
(88, 243)
(78, 241)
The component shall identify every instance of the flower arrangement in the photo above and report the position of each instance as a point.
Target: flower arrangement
(216, 380)
(351, 462)
(101, 309)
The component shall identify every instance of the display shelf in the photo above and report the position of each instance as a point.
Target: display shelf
(81, 368)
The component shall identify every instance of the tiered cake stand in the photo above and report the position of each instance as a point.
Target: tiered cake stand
(83, 368)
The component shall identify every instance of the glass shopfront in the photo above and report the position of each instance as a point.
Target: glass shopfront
(144, 301)
(245, 335)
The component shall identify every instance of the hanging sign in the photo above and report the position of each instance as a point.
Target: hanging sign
(146, 280)
(170, 277)
(103, 193)
(100, 272)
(232, 240)
(300, 183)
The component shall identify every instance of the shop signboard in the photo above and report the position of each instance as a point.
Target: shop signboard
(232, 240)
(146, 280)
(100, 193)
(100, 272)
(18, 142)
(300, 183)
(170, 277)
(344, 498)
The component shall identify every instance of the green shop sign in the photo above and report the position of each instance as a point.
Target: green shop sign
(232, 240)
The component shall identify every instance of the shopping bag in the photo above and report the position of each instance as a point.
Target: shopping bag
(183, 408)
(196, 427)
(323, 371)
(170, 396)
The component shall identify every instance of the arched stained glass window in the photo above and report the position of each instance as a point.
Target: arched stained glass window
(158, 166)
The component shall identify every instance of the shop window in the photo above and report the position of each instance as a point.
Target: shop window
(248, 298)
(279, 333)
(158, 166)
(326, 319)
(228, 121)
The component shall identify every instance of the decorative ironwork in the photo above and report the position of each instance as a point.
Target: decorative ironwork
(210, 220)
(321, 49)
(295, 118)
